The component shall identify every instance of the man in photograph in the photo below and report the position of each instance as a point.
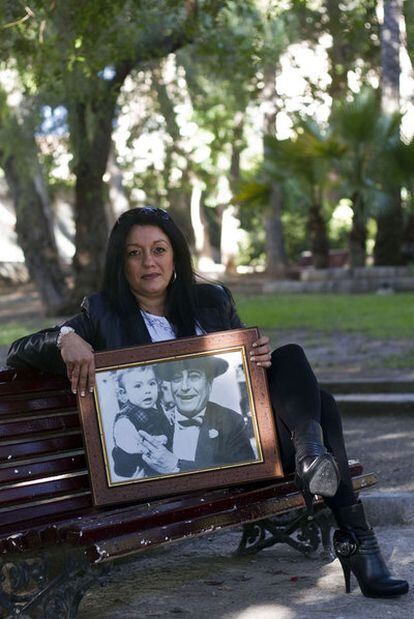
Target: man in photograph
(205, 433)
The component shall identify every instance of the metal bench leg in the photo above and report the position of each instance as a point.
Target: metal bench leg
(47, 585)
(295, 529)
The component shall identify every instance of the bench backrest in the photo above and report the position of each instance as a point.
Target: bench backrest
(43, 467)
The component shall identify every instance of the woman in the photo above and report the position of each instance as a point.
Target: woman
(149, 294)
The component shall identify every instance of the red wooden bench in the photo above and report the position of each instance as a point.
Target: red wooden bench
(54, 543)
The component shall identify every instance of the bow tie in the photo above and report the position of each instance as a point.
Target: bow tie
(192, 421)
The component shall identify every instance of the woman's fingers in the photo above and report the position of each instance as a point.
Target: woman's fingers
(91, 375)
(261, 353)
(83, 378)
(74, 378)
(80, 363)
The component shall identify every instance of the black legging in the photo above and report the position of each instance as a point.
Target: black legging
(295, 396)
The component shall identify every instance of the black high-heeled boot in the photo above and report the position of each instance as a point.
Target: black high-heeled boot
(316, 470)
(358, 551)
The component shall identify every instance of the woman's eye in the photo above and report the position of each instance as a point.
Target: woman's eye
(159, 250)
(133, 252)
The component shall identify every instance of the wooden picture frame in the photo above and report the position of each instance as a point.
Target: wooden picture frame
(146, 402)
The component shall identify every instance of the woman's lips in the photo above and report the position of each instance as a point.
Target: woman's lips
(150, 276)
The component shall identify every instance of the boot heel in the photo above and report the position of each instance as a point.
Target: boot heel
(307, 495)
(357, 549)
(346, 568)
(308, 498)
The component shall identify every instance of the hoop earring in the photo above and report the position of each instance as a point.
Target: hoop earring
(173, 277)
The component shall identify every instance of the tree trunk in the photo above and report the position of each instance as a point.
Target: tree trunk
(337, 53)
(389, 224)
(390, 56)
(275, 244)
(35, 231)
(91, 102)
(179, 197)
(408, 10)
(90, 132)
(358, 233)
(117, 196)
(318, 237)
(388, 242)
(276, 259)
(408, 240)
(202, 245)
(229, 239)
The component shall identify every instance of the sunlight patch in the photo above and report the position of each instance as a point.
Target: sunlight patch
(264, 611)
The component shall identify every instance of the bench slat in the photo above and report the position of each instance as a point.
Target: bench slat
(12, 452)
(36, 404)
(42, 468)
(43, 489)
(34, 385)
(181, 510)
(40, 516)
(32, 426)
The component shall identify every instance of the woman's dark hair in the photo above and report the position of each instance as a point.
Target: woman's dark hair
(181, 305)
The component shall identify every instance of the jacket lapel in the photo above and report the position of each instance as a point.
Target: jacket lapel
(208, 441)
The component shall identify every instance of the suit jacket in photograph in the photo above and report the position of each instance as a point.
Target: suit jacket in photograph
(222, 440)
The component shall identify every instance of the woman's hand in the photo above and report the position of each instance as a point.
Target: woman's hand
(261, 353)
(157, 456)
(80, 362)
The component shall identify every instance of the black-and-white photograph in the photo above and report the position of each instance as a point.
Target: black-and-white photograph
(177, 416)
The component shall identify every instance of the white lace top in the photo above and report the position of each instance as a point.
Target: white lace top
(160, 329)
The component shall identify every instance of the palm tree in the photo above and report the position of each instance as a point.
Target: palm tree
(366, 136)
(404, 161)
(303, 165)
(307, 159)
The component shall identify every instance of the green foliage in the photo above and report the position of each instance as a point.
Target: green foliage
(307, 157)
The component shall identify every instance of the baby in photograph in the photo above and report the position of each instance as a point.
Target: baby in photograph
(139, 392)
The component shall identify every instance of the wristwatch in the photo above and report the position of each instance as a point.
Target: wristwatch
(63, 331)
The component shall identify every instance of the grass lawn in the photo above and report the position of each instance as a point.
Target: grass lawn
(11, 331)
(378, 316)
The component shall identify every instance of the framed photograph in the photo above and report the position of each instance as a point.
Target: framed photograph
(178, 416)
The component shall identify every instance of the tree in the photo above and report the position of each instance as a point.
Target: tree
(84, 52)
(354, 32)
(389, 234)
(363, 133)
(408, 10)
(34, 218)
(303, 165)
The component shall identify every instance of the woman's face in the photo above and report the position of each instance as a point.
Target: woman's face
(149, 262)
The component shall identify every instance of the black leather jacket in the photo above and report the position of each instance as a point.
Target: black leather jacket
(100, 325)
